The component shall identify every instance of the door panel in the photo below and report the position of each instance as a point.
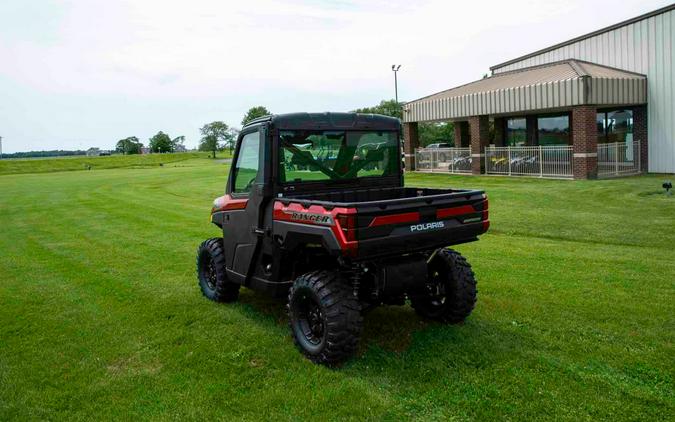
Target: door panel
(238, 233)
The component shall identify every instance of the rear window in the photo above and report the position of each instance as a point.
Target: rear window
(337, 155)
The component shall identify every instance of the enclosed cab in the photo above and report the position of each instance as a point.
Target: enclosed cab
(315, 209)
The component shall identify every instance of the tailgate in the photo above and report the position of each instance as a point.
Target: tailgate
(420, 223)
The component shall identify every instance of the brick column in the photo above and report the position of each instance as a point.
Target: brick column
(640, 134)
(411, 141)
(500, 131)
(479, 127)
(458, 134)
(462, 134)
(532, 127)
(585, 142)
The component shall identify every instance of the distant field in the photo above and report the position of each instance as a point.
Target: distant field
(101, 317)
(42, 165)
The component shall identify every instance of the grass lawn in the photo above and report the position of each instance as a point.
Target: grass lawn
(101, 316)
(45, 165)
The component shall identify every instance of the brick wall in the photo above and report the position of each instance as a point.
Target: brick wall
(585, 142)
(640, 134)
(462, 134)
(411, 141)
(479, 127)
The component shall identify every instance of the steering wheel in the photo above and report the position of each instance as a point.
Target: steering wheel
(249, 184)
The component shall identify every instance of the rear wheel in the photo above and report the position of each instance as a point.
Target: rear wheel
(211, 272)
(450, 293)
(324, 317)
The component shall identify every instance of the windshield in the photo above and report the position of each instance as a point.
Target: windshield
(308, 155)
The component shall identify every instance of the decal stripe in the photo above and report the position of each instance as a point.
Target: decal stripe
(384, 220)
(452, 212)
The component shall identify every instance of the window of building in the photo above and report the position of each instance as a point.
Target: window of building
(615, 126)
(554, 130)
(516, 132)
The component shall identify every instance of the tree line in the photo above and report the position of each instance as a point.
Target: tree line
(218, 135)
(159, 143)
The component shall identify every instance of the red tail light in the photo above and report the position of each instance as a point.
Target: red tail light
(485, 215)
(347, 223)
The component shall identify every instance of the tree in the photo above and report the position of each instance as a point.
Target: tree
(386, 107)
(431, 133)
(178, 144)
(214, 136)
(233, 133)
(161, 142)
(130, 145)
(254, 113)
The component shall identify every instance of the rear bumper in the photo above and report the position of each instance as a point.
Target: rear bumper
(401, 240)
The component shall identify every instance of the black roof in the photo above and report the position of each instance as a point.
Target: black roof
(329, 120)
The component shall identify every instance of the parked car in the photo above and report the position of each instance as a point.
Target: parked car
(442, 156)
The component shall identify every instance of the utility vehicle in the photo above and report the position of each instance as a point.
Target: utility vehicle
(315, 210)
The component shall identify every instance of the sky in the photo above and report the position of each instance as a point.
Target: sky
(76, 74)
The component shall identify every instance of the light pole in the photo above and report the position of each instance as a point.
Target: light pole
(0, 147)
(395, 68)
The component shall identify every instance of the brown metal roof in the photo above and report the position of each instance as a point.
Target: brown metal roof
(553, 72)
(555, 85)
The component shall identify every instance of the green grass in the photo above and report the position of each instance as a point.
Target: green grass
(101, 316)
(43, 165)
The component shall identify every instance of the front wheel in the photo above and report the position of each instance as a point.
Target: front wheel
(324, 317)
(211, 274)
(450, 291)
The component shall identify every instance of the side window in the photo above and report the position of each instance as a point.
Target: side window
(248, 163)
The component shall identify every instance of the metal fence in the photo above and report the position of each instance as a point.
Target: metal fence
(540, 161)
(443, 160)
(618, 159)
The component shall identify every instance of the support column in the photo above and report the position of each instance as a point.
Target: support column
(462, 134)
(479, 127)
(640, 134)
(585, 142)
(458, 134)
(500, 131)
(411, 141)
(532, 127)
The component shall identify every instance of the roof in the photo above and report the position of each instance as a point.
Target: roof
(589, 35)
(554, 85)
(330, 120)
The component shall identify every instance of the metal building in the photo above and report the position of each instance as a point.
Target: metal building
(607, 97)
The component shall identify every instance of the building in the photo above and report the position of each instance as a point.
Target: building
(598, 105)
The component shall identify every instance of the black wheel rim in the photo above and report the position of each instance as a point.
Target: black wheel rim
(208, 272)
(436, 289)
(309, 320)
(211, 275)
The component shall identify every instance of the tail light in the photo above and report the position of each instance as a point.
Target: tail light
(347, 223)
(486, 221)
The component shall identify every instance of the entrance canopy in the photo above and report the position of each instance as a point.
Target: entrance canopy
(553, 86)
